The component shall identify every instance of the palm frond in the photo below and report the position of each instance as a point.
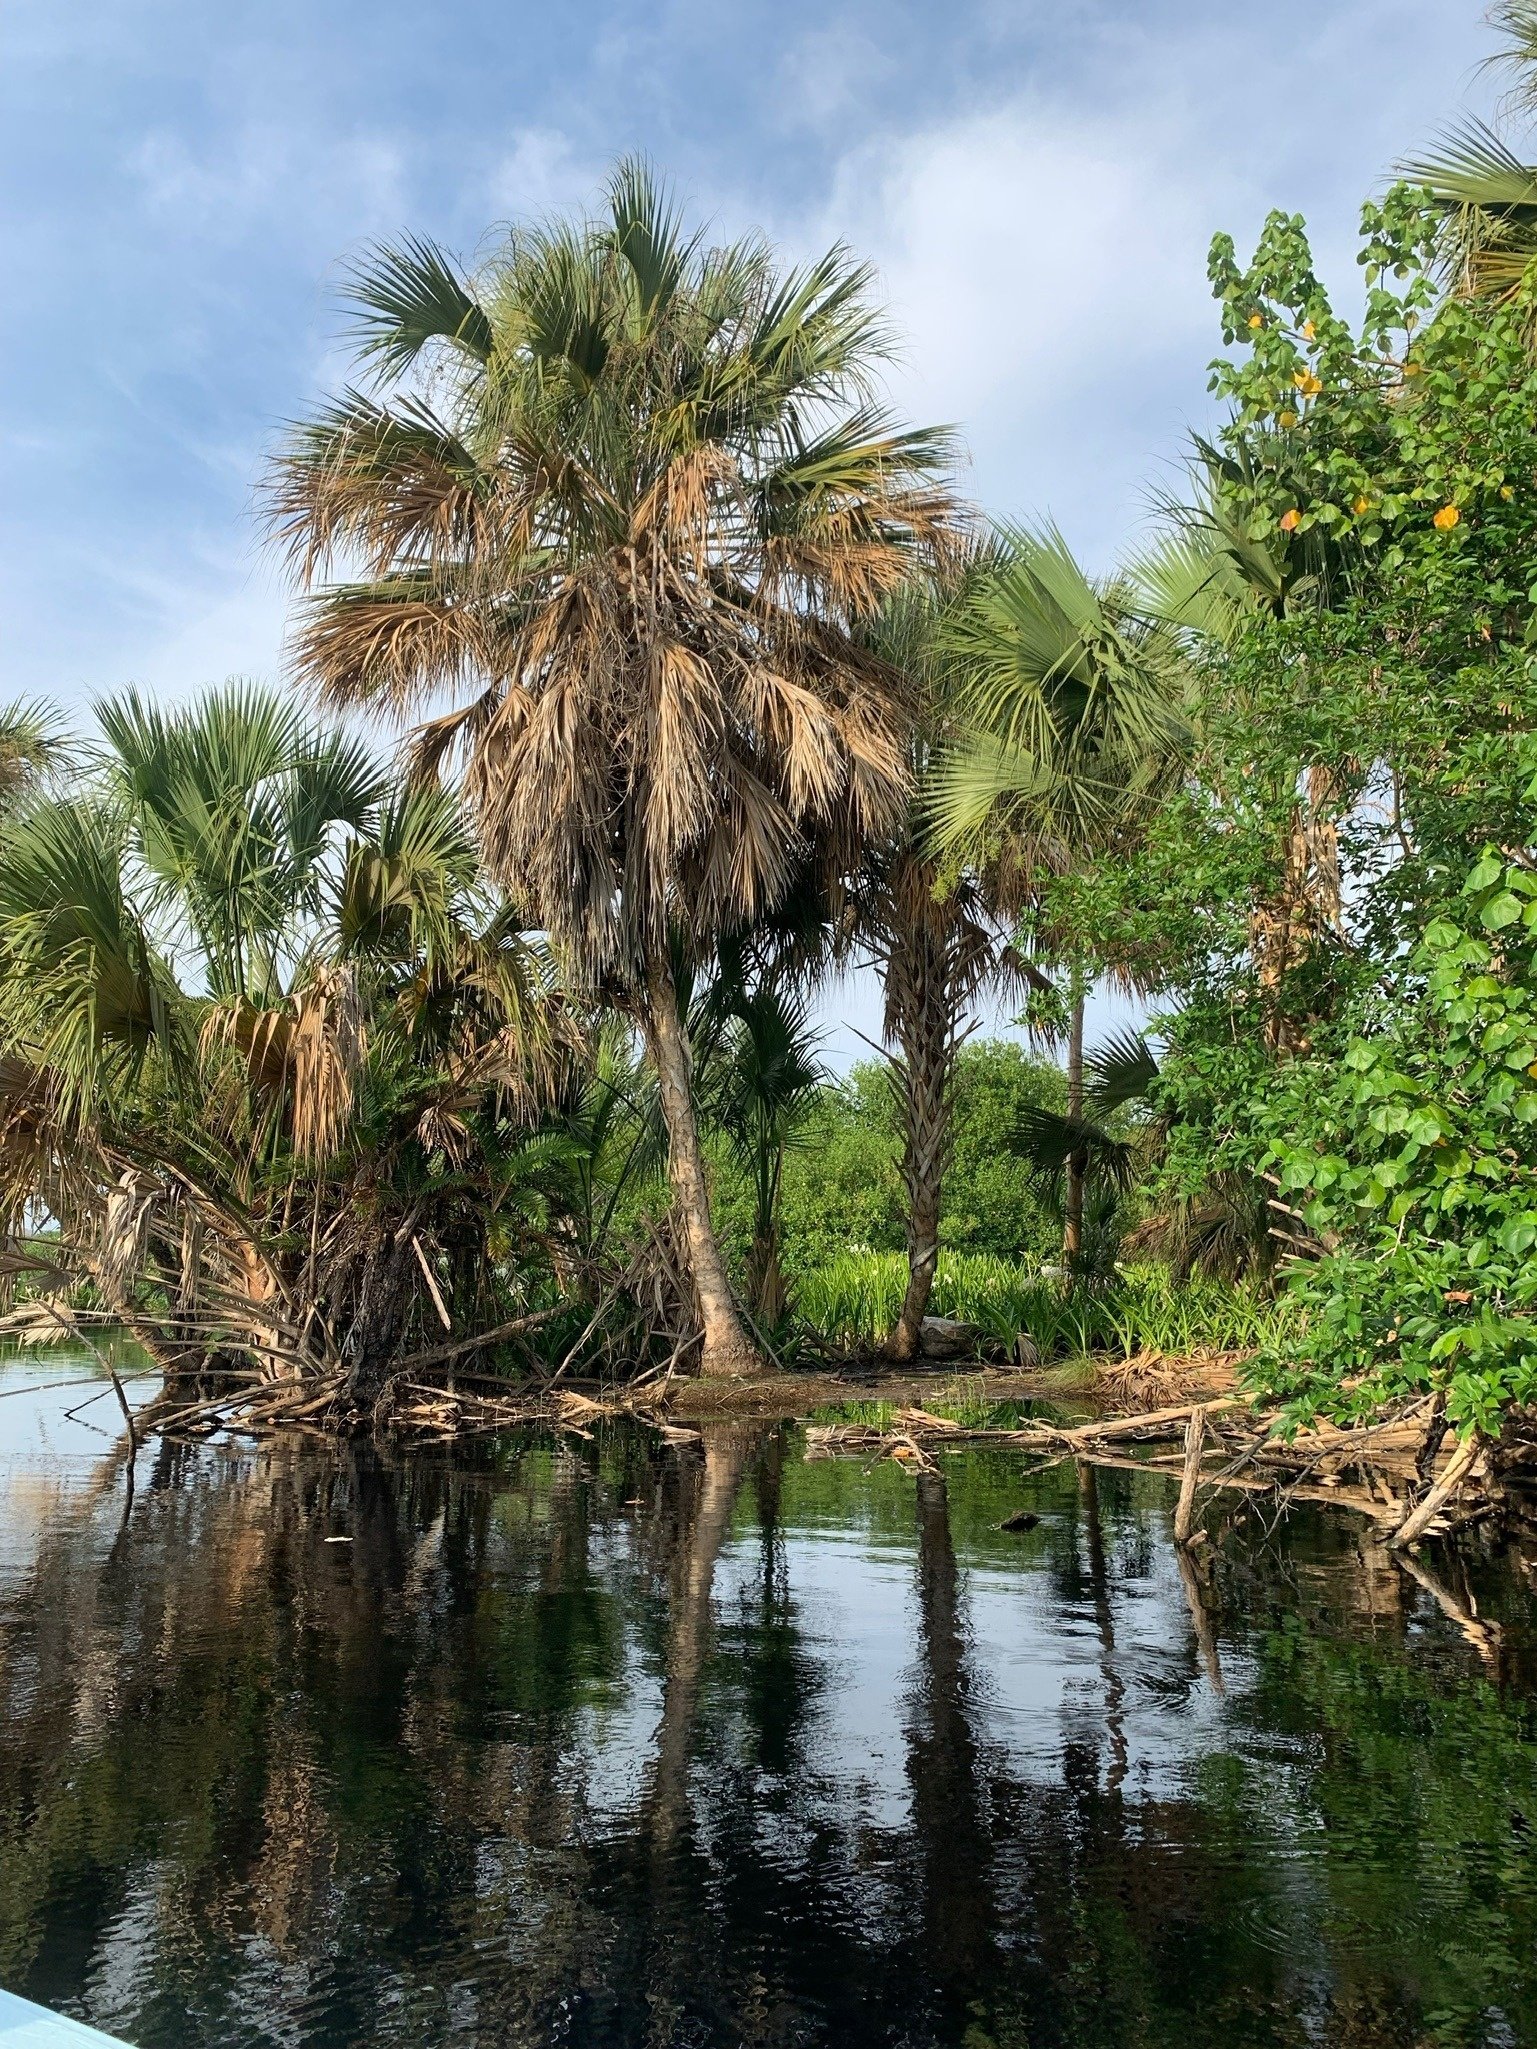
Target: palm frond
(409, 295)
(32, 741)
(1120, 1071)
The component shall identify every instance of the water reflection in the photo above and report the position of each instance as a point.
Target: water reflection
(625, 1741)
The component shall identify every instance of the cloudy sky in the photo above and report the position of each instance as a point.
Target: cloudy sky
(1038, 179)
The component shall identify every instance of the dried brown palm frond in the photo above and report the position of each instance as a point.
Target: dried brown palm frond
(301, 1056)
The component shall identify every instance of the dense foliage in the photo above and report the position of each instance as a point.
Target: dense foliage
(1338, 897)
(739, 700)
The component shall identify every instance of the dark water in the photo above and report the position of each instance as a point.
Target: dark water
(624, 1741)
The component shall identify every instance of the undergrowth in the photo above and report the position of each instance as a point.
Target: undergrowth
(855, 1297)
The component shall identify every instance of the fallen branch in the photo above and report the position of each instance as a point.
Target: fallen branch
(1195, 1437)
(1458, 1468)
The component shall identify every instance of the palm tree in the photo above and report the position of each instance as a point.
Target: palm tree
(1070, 710)
(31, 743)
(230, 808)
(624, 517)
(267, 1050)
(928, 924)
(1486, 194)
(760, 1081)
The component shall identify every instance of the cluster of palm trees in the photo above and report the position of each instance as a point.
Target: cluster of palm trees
(706, 685)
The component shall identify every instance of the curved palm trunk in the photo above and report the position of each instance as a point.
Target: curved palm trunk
(728, 1352)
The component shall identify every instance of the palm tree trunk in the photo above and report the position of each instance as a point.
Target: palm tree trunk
(1284, 926)
(922, 1075)
(728, 1352)
(1077, 1164)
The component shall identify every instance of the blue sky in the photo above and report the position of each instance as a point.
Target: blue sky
(1038, 179)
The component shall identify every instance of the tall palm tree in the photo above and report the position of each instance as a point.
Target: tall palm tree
(620, 498)
(1071, 724)
(927, 923)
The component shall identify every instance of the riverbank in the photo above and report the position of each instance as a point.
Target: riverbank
(1405, 1471)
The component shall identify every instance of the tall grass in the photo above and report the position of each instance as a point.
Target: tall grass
(854, 1298)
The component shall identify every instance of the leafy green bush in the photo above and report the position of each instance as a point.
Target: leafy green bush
(1415, 1159)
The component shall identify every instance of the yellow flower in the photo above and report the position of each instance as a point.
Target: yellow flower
(1308, 384)
(1256, 320)
(1413, 369)
(1447, 518)
(1307, 329)
(1507, 492)
(1287, 419)
(1289, 520)
(1361, 505)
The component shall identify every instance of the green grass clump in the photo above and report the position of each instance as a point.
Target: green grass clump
(854, 1299)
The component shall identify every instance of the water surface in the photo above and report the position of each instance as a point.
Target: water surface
(629, 1741)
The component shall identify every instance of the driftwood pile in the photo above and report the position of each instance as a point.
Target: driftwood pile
(432, 1411)
(1406, 1473)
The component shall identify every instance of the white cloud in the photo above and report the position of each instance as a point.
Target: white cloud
(1044, 249)
(269, 170)
(827, 75)
(542, 173)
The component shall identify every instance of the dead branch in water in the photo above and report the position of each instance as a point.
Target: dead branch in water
(1224, 1445)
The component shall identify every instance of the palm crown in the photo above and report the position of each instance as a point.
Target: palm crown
(623, 516)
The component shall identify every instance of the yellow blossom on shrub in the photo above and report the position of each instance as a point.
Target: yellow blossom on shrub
(1307, 329)
(1289, 520)
(1361, 505)
(1256, 320)
(1308, 384)
(1287, 419)
(1446, 518)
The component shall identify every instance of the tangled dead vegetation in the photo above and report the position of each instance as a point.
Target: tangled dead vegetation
(1407, 1474)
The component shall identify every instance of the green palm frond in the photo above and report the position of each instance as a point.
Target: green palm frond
(1120, 1071)
(1488, 202)
(1068, 708)
(1515, 23)
(233, 804)
(647, 233)
(84, 993)
(404, 886)
(409, 295)
(1187, 580)
(1474, 166)
(32, 741)
(1047, 1140)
